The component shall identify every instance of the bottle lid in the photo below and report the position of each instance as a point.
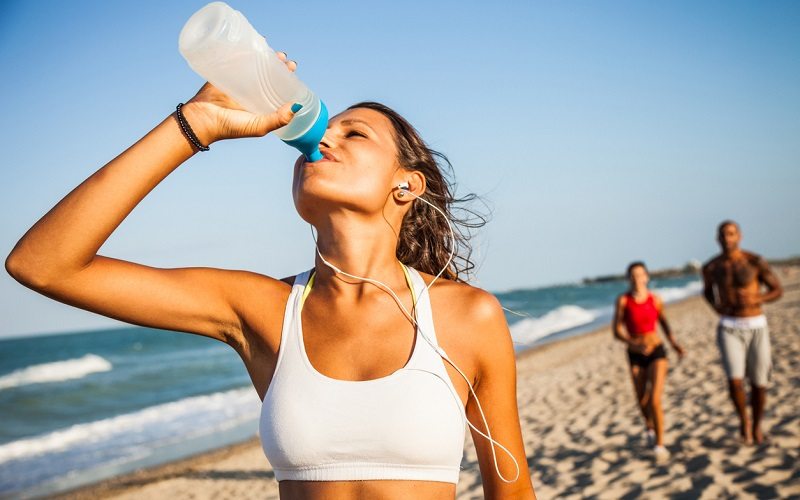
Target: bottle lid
(308, 143)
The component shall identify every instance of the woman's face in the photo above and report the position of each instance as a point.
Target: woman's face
(358, 171)
(639, 277)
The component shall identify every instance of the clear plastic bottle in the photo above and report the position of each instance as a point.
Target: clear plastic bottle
(223, 47)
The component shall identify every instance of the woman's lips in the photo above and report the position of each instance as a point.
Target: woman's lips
(327, 156)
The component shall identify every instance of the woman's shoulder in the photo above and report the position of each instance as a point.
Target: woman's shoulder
(471, 302)
(468, 319)
(290, 280)
(656, 298)
(256, 294)
(471, 325)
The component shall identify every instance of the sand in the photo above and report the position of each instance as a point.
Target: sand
(583, 433)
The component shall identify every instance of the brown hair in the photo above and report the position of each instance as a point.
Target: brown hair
(424, 241)
(634, 265)
(724, 224)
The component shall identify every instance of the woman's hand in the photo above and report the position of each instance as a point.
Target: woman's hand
(636, 345)
(215, 116)
(642, 345)
(639, 348)
(679, 350)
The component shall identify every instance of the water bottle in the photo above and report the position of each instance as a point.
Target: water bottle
(223, 47)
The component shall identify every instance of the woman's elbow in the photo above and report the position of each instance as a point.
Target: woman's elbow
(22, 269)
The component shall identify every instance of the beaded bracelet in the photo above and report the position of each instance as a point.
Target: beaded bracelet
(187, 129)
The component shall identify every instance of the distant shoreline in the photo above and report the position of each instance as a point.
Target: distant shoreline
(689, 269)
(676, 272)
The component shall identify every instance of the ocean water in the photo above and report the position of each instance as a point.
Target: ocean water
(81, 407)
(554, 312)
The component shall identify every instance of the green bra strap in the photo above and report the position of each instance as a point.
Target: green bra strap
(307, 288)
(410, 285)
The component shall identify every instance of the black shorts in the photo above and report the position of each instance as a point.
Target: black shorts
(643, 360)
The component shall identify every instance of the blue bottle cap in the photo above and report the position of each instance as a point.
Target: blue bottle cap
(308, 143)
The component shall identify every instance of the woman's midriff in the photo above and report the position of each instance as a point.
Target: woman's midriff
(650, 340)
(378, 490)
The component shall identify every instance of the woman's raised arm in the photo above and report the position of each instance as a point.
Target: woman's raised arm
(58, 255)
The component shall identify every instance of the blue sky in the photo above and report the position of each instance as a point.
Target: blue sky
(598, 132)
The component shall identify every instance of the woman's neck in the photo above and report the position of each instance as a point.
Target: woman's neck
(360, 248)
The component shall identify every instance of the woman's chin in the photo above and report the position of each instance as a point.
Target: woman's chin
(314, 204)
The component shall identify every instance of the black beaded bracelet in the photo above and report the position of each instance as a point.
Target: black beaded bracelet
(187, 129)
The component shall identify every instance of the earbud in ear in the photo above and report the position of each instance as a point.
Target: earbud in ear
(403, 185)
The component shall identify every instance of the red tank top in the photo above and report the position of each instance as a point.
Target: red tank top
(640, 319)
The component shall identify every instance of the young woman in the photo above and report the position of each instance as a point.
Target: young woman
(637, 311)
(367, 384)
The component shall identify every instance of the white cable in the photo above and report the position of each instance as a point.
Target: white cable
(517, 313)
(488, 434)
(437, 348)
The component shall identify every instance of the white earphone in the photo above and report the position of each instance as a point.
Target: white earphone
(404, 188)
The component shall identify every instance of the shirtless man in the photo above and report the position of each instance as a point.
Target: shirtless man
(733, 286)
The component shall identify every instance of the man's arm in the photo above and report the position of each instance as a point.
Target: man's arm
(708, 286)
(768, 278)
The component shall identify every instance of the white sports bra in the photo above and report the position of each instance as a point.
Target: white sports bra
(407, 425)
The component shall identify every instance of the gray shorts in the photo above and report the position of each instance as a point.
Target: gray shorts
(746, 352)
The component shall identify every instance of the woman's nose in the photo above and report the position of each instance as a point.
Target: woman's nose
(328, 140)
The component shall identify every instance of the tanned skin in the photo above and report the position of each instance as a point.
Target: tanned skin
(736, 284)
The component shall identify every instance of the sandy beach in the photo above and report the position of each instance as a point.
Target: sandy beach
(583, 433)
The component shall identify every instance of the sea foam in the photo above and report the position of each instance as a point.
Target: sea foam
(672, 294)
(562, 318)
(56, 371)
(195, 415)
(566, 317)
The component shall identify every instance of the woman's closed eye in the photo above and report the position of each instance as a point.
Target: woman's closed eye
(355, 133)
